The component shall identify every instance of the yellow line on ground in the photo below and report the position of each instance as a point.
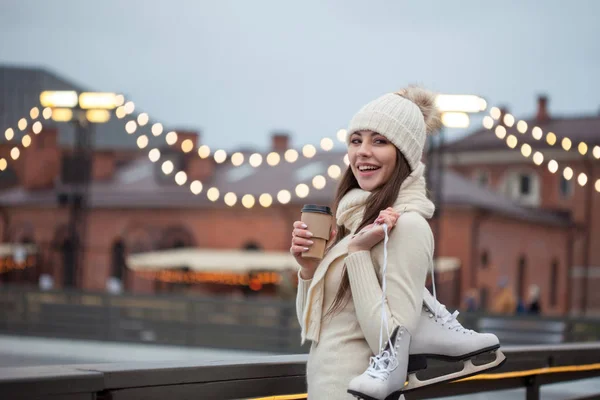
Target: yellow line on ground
(504, 375)
(538, 371)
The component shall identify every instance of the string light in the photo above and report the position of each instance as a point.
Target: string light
(167, 167)
(196, 187)
(154, 155)
(596, 152)
(34, 113)
(582, 148)
(248, 201)
(37, 127)
(538, 158)
(157, 129)
(265, 200)
(273, 159)
(551, 138)
(597, 185)
(334, 171)
(187, 145)
(143, 119)
(582, 179)
(509, 120)
(341, 135)
(512, 141)
(309, 151)
(488, 122)
(230, 199)
(291, 155)
(204, 151)
(522, 126)
(213, 194)
(181, 178)
(26, 141)
(319, 182)
(171, 138)
(327, 144)
(302, 190)
(495, 112)
(284, 196)
(130, 127)
(567, 173)
(220, 156)
(237, 159)
(526, 150)
(255, 160)
(15, 153)
(566, 144)
(142, 141)
(500, 132)
(9, 134)
(552, 166)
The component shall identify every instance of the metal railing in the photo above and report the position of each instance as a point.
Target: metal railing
(267, 325)
(526, 367)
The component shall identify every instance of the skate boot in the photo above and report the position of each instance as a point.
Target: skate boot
(386, 376)
(440, 336)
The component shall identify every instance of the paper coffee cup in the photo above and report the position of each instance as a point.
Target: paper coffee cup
(318, 219)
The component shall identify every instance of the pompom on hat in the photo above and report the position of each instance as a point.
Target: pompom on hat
(405, 118)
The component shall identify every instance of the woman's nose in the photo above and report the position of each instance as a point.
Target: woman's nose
(364, 149)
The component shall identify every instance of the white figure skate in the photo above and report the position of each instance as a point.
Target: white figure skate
(440, 336)
(385, 377)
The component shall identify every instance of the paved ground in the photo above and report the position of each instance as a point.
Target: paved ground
(26, 351)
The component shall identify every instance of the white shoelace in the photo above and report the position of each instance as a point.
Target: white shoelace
(382, 364)
(442, 313)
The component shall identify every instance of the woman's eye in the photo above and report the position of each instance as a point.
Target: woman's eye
(355, 141)
(380, 141)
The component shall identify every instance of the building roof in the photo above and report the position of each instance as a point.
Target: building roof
(20, 89)
(578, 129)
(141, 184)
(460, 191)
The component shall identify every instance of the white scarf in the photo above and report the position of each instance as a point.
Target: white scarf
(411, 197)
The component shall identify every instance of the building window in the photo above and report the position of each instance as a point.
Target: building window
(482, 177)
(522, 186)
(118, 260)
(521, 276)
(525, 184)
(553, 283)
(565, 187)
(484, 259)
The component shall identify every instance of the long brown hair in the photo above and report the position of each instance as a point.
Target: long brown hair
(380, 199)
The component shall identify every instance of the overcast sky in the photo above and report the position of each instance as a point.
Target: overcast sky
(238, 70)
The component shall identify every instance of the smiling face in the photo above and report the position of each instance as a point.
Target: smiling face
(372, 159)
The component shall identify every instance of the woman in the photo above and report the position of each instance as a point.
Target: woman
(339, 299)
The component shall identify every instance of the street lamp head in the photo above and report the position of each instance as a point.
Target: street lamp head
(460, 103)
(455, 119)
(58, 99)
(99, 100)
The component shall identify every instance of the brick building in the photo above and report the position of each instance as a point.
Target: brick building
(486, 230)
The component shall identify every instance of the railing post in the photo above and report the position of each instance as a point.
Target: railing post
(532, 388)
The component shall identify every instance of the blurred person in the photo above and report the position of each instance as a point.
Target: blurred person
(505, 301)
(363, 286)
(471, 302)
(533, 301)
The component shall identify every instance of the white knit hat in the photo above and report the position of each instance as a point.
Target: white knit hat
(398, 119)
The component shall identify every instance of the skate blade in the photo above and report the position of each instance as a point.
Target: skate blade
(361, 396)
(469, 369)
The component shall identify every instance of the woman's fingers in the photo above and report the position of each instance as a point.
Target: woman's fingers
(298, 241)
(303, 233)
(297, 250)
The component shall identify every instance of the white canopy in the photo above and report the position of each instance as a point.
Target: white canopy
(238, 261)
(16, 249)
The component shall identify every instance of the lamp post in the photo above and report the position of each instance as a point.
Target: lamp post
(455, 114)
(83, 110)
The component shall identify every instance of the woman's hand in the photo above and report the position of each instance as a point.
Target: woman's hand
(301, 242)
(372, 234)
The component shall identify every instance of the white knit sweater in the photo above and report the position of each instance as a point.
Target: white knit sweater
(342, 344)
